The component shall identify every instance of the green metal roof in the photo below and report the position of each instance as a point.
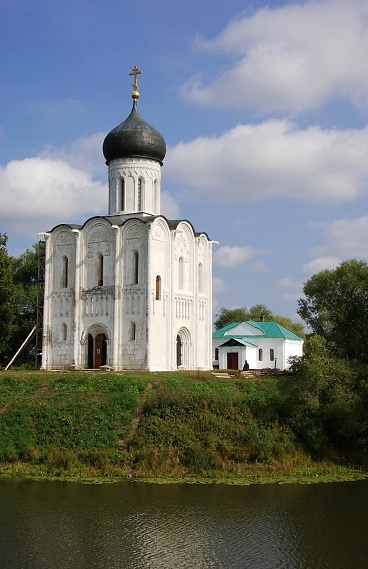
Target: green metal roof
(269, 330)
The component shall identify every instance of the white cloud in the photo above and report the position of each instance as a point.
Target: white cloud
(169, 206)
(85, 154)
(272, 159)
(258, 267)
(287, 282)
(289, 58)
(233, 256)
(218, 285)
(292, 287)
(345, 238)
(342, 239)
(320, 264)
(37, 193)
(61, 185)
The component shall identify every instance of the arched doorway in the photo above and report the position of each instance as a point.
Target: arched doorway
(96, 350)
(183, 349)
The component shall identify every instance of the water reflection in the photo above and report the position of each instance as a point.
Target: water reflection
(46, 525)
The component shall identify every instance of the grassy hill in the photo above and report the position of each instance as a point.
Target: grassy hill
(173, 426)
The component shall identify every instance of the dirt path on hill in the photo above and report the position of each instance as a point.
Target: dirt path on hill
(137, 418)
(3, 409)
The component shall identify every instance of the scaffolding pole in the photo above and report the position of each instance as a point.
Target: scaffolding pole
(22, 346)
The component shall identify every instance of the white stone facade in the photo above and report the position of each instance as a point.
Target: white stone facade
(131, 290)
(134, 185)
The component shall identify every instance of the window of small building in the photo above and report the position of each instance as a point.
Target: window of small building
(158, 287)
(272, 354)
(260, 354)
(64, 272)
(216, 353)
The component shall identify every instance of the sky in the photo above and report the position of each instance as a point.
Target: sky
(263, 106)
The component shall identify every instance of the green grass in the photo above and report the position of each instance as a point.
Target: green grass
(188, 426)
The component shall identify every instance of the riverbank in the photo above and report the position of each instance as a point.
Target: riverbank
(187, 427)
(316, 473)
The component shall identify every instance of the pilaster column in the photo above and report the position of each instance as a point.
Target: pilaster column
(77, 360)
(117, 319)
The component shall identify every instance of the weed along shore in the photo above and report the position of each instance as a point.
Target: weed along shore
(157, 427)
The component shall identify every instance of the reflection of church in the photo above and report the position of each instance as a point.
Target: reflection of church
(132, 289)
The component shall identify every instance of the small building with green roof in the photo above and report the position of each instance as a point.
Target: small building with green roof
(259, 345)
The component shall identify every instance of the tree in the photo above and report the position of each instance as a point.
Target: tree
(25, 277)
(227, 316)
(323, 402)
(296, 327)
(7, 296)
(336, 307)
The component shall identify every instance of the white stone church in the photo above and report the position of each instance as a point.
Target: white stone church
(132, 289)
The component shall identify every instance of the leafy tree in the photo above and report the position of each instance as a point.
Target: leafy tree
(296, 327)
(7, 295)
(323, 401)
(227, 316)
(336, 307)
(25, 277)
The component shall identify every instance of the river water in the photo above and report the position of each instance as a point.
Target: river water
(56, 525)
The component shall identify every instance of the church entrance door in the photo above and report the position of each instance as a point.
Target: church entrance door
(179, 351)
(100, 350)
(96, 351)
(232, 360)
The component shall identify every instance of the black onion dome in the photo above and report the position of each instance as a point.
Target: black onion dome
(134, 137)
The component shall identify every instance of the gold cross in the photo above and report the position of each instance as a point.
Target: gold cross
(135, 71)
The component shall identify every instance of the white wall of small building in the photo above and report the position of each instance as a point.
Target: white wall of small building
(293, 348)
(282, 350)
(244, 353)
(275, 346)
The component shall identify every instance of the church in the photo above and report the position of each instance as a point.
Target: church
(130, 289)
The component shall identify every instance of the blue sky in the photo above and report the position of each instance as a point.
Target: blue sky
(263, 106)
